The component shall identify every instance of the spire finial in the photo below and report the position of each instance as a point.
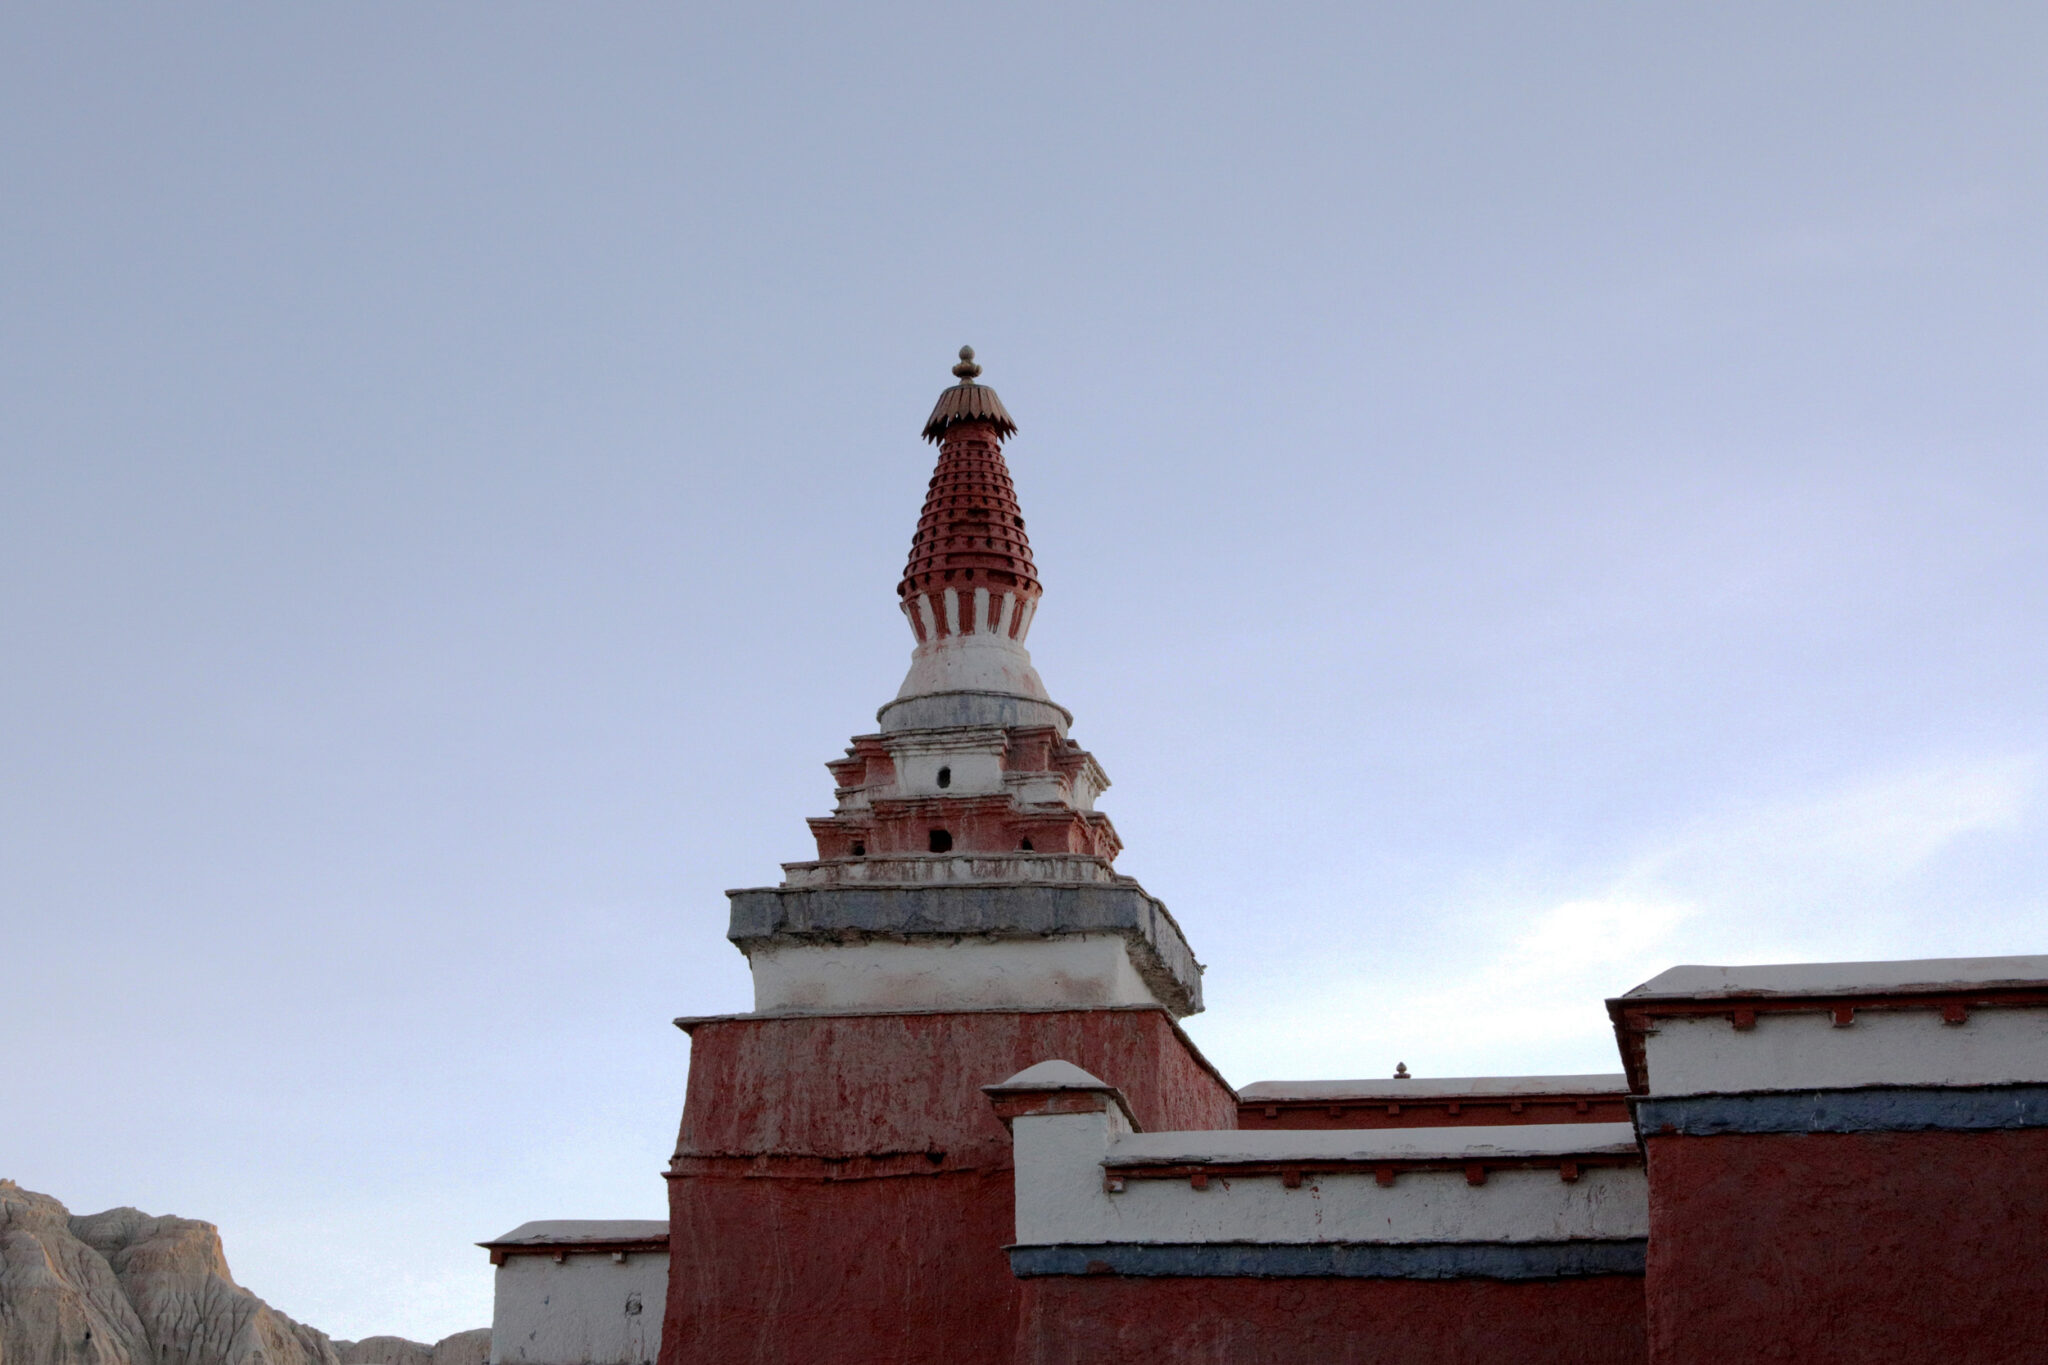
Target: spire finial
(968, 401)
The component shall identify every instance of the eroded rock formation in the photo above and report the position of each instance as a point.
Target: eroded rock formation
(125, 1288)
(60, 1302)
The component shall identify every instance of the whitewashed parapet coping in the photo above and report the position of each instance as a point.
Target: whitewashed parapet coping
(1085, 1177)
(1703, 1030)
(560, 1237)
(1912, 976)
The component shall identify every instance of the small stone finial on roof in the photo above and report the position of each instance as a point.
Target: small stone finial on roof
(1401, 1072)
(968, 401)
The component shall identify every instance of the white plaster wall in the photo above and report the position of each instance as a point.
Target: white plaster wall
(976, 771)
(583, 1310)
(1420, 1206)
(1704, 1055)
(1039, 789)
(972, 663)
(1074, 969)
(1061, 1197)
(1058, 1161)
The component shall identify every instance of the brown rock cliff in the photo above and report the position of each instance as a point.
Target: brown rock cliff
(125, 1288)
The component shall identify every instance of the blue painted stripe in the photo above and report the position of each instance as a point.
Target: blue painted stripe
(1890, 1109)
(1335, 1260)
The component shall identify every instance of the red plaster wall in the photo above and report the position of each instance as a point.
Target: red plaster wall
(835, 1085)
(1849, 1247)
(1072, 1320)
(842, 1190)
(860, 1272)
(1431, 1113)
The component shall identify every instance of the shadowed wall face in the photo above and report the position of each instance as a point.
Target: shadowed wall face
(1078, 1320)
(1844, 1248)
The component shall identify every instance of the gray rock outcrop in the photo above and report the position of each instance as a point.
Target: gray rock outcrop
(464, 1348)
(384, 1351)
(125, 1288)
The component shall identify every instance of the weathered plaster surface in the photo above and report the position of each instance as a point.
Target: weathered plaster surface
(1849, 1249)
(792, 1270)
(586, 1309)
(1158, 952)
(973, 663)
(1090, 1319)
(973, 760)
(848, 1171)
(972, 974)
(856, 1085)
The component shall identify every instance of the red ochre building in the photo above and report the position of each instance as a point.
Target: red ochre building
(962, 1123)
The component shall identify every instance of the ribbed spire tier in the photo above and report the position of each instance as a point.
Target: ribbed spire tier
(970, 570)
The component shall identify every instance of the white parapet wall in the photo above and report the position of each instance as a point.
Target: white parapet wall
(1946, 1043)
(1523, 1201)
(965, 973)
(1878, 1047)
(579, 1292)
(1838, 1025)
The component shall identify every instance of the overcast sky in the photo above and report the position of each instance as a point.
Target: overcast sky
(1527, 495)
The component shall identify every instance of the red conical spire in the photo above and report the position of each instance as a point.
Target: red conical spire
(972, 761)
(970, 569)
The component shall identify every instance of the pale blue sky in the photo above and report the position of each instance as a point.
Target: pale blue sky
(1526, 496)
